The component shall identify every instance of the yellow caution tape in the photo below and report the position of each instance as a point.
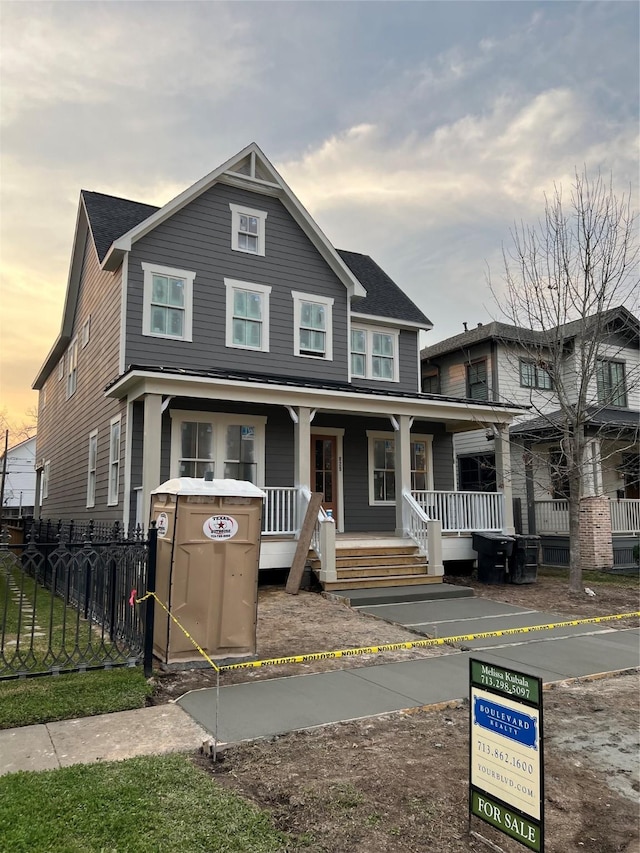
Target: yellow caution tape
(387, 647)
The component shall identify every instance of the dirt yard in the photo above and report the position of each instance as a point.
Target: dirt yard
(399, 783)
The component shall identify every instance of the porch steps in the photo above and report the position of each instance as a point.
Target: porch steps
(376, 562)
(400, 594)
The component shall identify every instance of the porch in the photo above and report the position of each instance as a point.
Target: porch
(552, 524)
(436, 527)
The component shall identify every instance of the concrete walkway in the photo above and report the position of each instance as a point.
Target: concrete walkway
(279, 705)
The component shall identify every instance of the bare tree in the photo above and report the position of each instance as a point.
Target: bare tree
(569, 281)
(19, 429)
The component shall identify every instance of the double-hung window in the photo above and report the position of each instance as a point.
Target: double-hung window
(477, 388)
(167, 310)
(382, 471)
(114, 461)
(313, 325)
(44, 480)
(92, 468)
(534, 375)
(247, 230)
(247, 323)
(612, 389)
(223, 445)
(374, 353)
(72, 368)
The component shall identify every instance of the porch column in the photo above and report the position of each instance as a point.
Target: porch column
(151, 450)
(403, 467)
(302, 448)
(592, 465)
(503, 475)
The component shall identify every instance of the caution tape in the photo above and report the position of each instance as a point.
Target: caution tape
(384, 647)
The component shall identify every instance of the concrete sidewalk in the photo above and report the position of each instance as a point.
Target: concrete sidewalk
(107, 737)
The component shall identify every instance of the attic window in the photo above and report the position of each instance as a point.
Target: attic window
(247, 230)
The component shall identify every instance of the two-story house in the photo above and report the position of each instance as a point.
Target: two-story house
(19, 479)
(495, 363)
(223, 333)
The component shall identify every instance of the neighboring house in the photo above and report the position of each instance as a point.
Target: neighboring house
(18, 495)
(494, 363)
(224, 334)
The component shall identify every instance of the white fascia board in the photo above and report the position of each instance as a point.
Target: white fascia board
(80, 237)
(374, 320)
(140, 382)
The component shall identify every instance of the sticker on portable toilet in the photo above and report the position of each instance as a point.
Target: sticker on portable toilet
(162, 524)
(220, 527)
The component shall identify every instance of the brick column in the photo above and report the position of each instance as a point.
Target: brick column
(596, 541)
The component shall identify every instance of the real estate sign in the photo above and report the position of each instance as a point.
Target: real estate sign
(506, 766)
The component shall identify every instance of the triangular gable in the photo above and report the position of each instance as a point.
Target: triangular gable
(251, 170)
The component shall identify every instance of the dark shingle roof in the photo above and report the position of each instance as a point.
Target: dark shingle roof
(384, 298)
(600, 418)
(504, 332)
(110, 217)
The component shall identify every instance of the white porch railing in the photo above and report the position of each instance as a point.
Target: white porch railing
(323, 539)
(625, 516)
(415, 522)
(280, 512)
(552, 516)
(462, 512)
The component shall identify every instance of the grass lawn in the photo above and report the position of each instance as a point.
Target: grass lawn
(25, 702)
(143, 804)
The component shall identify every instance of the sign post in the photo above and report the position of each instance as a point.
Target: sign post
(505, 758)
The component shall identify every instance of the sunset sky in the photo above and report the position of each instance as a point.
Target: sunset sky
(415, 132)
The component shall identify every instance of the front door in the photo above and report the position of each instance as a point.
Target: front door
(324, 471)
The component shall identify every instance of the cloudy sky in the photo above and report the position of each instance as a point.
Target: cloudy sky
(416, 132)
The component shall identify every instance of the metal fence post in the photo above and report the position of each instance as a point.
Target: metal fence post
(150, 608)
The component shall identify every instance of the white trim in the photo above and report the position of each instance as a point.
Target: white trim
(338, 433)
(112, 500)
(72, 368)
(327, 302)
(44, 481)
(136, 383)
(369, 331)
(238, 210)
(376, 320)
(231, 285)
(128, 441)
(91, 498)
(86, 332)
(124, 293)
(372, 435)
(188, 276)
(221, 420)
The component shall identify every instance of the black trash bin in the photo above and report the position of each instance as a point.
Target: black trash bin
(494, 549)
(523, 562)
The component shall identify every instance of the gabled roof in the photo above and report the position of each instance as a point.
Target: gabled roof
(384, 298)
(110, 217)
(497, 331)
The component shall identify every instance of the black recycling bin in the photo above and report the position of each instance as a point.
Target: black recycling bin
(494, 549)
(523, 562)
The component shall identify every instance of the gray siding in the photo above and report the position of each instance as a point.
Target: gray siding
(409, 379)
(64, 425)
(198, 239)
(453, 374)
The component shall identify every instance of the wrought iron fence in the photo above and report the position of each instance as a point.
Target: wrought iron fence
(65, 598)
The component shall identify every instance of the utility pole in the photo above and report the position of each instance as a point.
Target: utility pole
(4, 470)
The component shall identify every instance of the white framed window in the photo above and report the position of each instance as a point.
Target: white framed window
(247, 317)
(92, 468)
(224, 445)
(313, 325)
(167, 310)
(247, 229)
(374, 353)
(86, 331)
(61, 367)
(44, 480)
(114, 461)
(382, 472)
(72, 368)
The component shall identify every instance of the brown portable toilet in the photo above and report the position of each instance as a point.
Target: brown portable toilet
(207, 567)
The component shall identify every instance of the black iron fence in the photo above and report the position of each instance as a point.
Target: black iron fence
(67, 600)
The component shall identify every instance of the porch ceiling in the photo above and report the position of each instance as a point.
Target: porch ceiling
(458, 414)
